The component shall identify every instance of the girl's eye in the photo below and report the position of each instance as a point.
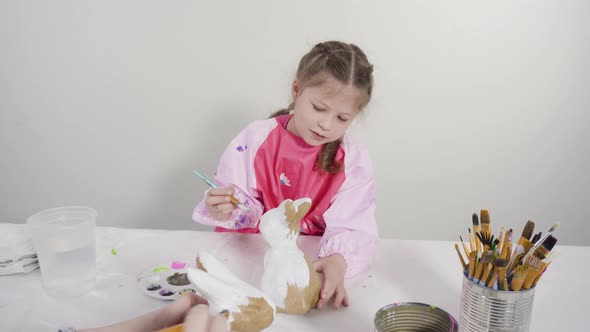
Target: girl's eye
(318, 108)
(342, 119)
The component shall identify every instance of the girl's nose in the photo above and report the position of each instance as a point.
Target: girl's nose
(325, 123)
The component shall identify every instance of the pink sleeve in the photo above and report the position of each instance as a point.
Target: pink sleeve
(236, 168)
(351, 228)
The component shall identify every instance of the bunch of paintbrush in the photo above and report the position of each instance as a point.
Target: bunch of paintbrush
(498, 263)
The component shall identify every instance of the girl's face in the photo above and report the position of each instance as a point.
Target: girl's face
(323, 113)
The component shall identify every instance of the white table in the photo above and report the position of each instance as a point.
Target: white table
(404, 271)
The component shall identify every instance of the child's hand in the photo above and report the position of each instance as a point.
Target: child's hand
(199, 320)
(218, 202)
(333, 268)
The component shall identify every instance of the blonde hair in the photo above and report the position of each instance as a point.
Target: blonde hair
(346, 63)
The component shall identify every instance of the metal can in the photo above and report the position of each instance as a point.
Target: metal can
(411, 316)
(486, 309)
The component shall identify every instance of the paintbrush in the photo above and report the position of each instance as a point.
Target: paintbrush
(488, 261)
(500, 267)
(540, 241)
(481, 265)
(543, 251)
(472, 260)
(534, 268)
(501, 240)
(175, 328)
(515, 261)
(486, 240)
(507, 249)
(476, 230)
(545, 264)
(523, 244)
(518, 278)
(536, 237)
(492, 283)
(232, 198)
(472, 243)
(484, 216)
(461, 257)
(464, 246)
(495, 245)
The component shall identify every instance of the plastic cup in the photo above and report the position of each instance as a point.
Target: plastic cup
(65, 241)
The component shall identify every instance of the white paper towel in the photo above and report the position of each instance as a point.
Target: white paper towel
(17, 254)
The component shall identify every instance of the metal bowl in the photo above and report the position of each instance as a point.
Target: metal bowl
(414, 317)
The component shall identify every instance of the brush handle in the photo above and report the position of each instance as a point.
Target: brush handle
(175, 328)
(232, 198)
(460, 257)
(207, 181)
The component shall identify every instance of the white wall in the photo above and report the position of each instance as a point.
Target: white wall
(477, 105)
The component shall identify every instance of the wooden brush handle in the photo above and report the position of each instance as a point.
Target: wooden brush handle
(233, 200)
(175, 328)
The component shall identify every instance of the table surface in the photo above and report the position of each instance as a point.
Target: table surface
(403, 271)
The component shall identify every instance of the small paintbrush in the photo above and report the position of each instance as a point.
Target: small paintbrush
(540, 241)
(484, 217)
(472, 243)
(543, 251)
(523, 244)
(232, 198)
(476, 230)
(518, 277)
(461, 257)
(464, 246)
(536, 237)
(507, 248)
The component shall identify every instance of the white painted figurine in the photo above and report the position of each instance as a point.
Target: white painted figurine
(289, 279)
(247, 309)
(289, 283)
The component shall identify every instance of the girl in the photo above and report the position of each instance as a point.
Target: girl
(303, 152)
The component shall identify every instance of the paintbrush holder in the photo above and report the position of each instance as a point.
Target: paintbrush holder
(486, 309)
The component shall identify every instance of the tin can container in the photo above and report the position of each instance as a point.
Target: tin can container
(486, 309)
(413, 317)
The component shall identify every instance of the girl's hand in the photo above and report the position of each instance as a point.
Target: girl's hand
(332, 268)
(218, 203)
(166, 318)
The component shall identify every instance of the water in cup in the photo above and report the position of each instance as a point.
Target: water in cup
(64, 239)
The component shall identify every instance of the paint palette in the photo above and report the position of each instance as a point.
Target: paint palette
(166, 281)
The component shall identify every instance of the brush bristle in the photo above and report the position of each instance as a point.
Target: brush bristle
(536, 237)
(517, 260)
(484, 216)
(487, 257)
(520, 271)
(527, 232)
(554, 227)
(534, 262)
(549, 242)
(475, 220)
(500, 262)
(486, 239)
